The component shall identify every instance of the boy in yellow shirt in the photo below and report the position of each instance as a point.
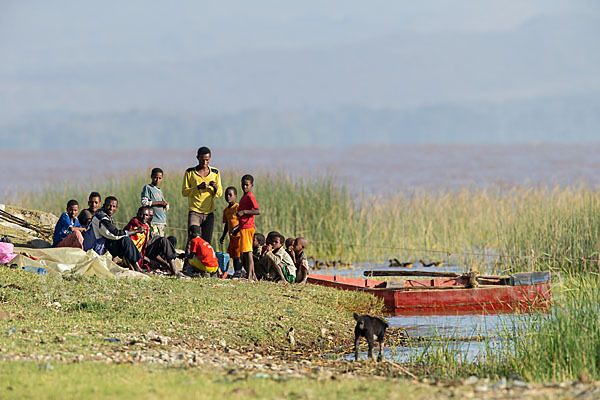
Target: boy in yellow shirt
(231, 222)
(201, 185)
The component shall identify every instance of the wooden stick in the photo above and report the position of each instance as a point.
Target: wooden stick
(434, 274)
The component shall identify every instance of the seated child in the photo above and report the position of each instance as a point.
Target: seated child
(289, 247)
(202, 257)
(153, 197)
(231, 222)
(67, 232)
(276, 263)
(140, 221)
(85, 217)
(257, 245)
(103, 235)
(160, 251)
(300, 259)
(94, 203)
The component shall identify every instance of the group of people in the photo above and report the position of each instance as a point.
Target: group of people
(143, 246)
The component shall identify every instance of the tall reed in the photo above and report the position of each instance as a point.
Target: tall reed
(510, 229)
(559, 346)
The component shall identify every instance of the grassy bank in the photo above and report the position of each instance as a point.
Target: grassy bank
(74, 316)
(515, 229)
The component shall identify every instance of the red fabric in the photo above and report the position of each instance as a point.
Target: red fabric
(204, 252)
(139, 239)
(248, 202)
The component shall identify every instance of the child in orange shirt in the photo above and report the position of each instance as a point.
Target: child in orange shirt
(231, 222)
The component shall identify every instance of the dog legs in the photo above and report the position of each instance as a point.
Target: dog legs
(371, 343)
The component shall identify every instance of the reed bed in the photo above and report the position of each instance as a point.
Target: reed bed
(506, 229)
(558, 346)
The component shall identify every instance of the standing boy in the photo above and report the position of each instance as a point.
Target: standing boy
(247, 209)
(231, 222)
(68, 230)
(201, 185)
(153, 197)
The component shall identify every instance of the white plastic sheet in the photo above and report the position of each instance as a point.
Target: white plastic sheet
(66, 260)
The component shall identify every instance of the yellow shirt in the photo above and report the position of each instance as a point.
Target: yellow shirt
(201, 200)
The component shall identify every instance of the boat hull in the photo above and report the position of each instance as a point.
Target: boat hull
(447, 296)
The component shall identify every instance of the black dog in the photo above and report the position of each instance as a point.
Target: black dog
(371, 328)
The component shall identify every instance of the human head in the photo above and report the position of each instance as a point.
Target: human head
(84, 217)
(230, 194)
(151, 211)
(94, 201)
(275, 239)
(300, 244)
(203, 156)
(194, 231)
(72, 208)
(247, 183)
(143, 214)
(110, 205)
(156, 175)
(289, 242)
(259, 240)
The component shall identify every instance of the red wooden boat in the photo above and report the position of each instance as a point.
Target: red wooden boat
(458, 295)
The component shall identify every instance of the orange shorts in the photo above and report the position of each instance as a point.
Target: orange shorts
(246, 240)
(234, 246)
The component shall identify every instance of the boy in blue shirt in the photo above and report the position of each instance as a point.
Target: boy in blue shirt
(153, 197)
(68, 230)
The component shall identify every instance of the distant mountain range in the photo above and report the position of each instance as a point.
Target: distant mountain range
(537, 82)
(570, 119)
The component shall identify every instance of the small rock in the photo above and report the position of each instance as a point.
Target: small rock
(11, 331)
(481, 388)
(222, 343)
(470, 380)
(501, 384)
(46, 367)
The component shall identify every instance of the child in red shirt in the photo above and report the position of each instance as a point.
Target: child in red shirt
(201, 257)
(247, 209)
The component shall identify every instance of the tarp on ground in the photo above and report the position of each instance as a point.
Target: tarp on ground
(64, 260)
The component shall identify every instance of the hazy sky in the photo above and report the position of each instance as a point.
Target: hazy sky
(219, 58)
(45, 34)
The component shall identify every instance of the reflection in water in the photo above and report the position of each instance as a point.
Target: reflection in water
(470, 336)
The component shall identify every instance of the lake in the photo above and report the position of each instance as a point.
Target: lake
(367, 169)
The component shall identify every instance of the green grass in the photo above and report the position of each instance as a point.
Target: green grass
(82, 312)
(95, 380)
